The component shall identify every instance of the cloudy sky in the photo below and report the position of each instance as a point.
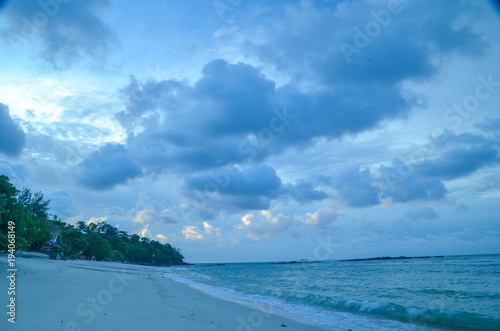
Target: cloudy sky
(265, 130)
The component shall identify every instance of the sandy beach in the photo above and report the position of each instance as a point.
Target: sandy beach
(90, 295)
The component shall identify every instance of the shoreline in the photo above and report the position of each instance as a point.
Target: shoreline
(92, 295)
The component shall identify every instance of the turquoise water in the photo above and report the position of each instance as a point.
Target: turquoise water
(450, 293)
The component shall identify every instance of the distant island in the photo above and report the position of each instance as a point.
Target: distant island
(391, 258)
(25, 225)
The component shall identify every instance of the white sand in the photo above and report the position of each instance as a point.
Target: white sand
(89, 295)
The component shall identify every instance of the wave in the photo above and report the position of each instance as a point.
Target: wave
(443, 318)
(361, 315)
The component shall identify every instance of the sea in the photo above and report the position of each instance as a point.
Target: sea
(437, 293)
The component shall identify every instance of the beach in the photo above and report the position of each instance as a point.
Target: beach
(91, 295)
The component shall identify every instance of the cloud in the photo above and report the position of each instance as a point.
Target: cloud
(194, 233)
(210, 230)
(421, 213)
(107, 167)
(398, 183)
(18, 174)
(234, 114)
(355, 187)
(489, 125)
(161, 238)
(399, 46)
(304, 192)
(322, 217)
(151, 215)
(67, 32)
(253, 181)
(458, 162)
(248, 188)
(12, 137)
(265, 225)
(62, 204)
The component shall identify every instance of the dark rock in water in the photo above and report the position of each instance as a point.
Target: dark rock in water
(391, 258)
(215, 265)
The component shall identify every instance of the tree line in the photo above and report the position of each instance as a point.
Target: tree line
(34, 228)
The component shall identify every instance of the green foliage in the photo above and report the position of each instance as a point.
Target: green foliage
(34, 229)
(73, 240)
(97, 246)
(31, 223)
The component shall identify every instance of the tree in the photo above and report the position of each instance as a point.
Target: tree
(82, 226)
(97, 247)
(35, 203)
(73, 240)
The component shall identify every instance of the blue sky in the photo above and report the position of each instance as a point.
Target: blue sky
(260, 130)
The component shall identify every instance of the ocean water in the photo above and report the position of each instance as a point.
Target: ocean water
(449, 293)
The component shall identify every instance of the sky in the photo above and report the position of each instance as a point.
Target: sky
(242, 131)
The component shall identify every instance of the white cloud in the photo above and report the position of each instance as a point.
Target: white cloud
(210, 230)
(192, 232)
(161, 238)
(264, 226)
(321, 217)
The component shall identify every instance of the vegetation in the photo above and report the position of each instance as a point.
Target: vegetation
(34, 229)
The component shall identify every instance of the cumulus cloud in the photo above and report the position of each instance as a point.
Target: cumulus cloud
(264, 226)
(250, 188)
(210, 230)
(62, 204)
(421, 213)
(67, 32)
(194, 233)
(404, 186)
(234, 114)
(304, 192)
(489, 125)
(399, 48)
(356, 187)
(12, 137)
(18, 174)
(107, 167)
(322, 217)
(458, 162)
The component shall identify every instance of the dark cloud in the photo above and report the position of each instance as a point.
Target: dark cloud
(447, 157)
(17, 173)
(356, 187)
(251, 188)
(400, 184)
(458, 162)
(235, 115)
(421, 213)
(62, 204)
(68, 32)
(489, 125)
(107, 167)
(365, 43)
(261, 180)
(304, 192)
(459, 155)
(12, 137)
